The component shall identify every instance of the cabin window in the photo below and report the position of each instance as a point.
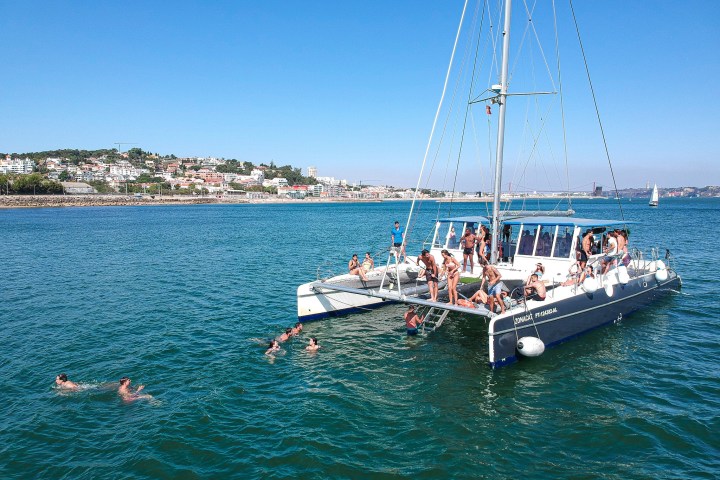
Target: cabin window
(453, 238)
(441, 235)
(563, 242)
(526, 242)
(543, 241)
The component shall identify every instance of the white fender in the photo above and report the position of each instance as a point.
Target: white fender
(609, 289)
(661, 274)
(530, 346)
(623, 275)
(590, 285)
(660, 265)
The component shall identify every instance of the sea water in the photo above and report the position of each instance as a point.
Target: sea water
(183, 299)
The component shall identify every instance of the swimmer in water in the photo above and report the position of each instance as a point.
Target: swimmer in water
(129, 396)
(313, 345)
(285, 336)
(273, 347)
(62, 382)
(297, 329)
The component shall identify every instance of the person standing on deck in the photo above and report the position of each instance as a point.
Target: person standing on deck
(430, 272)
(585, 249)
(452, 269)
(491, 274)
(397, 235)
(467, 241)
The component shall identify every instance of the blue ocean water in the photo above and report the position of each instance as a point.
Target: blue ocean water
(181, 299)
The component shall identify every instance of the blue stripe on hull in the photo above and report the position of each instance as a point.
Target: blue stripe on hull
(344, 311)
(596, 310)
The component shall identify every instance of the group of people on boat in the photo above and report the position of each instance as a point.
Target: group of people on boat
(360, 269)
(123, 388)
(614, 244)
(475, 243)
(290, 332)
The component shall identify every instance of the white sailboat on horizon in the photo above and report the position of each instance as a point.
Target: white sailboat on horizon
(654, 197)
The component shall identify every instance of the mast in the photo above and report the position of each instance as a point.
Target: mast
(502, 97)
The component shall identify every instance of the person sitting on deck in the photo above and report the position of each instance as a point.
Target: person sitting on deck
(574, 273)
(355, 268)
(479, 297)
(368, 262)
(430, 272)
(535, 289)
(412, 320)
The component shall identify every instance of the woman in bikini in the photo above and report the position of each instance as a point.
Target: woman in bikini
(355, 268)
(452, 269)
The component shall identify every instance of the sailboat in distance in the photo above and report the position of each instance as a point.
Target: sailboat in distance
(654, 197)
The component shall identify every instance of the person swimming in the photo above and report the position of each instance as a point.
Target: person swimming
(312, 345)
(62, 382)
(128, 395)
(273, 347)
(285, 336)
(297, 329)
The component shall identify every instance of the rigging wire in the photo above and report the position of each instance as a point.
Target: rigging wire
(597, 110)
(562, 105)
(437, 114)
(467, 106)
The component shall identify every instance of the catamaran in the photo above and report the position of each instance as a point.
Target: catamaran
(588, 281)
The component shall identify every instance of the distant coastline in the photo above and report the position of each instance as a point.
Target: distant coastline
(45, 201)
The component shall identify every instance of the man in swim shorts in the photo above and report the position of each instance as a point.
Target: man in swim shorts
(431, 273)
(467, 241)
(491, 274)
(396, 239)
(412, 321)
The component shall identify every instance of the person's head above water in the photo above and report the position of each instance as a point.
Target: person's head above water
(288, 331)
(313, 341)
(62, 378)
(124, 381)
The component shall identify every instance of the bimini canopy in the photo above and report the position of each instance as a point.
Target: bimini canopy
(470, 219)
(566, 222)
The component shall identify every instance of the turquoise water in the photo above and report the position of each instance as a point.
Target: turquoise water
(179, 297)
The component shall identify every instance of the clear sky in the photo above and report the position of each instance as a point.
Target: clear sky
(350, 87)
